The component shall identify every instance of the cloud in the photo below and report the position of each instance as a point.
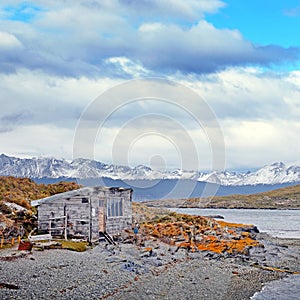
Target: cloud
(110, 39)
(250, 94)
(10, 51)
(10, 121)
(257, 143)
(9, 41)
(202, 49)
(258, 111)
(188, 10)
(57, 57)
(127, 66)
(37, 140)
(34, 98)
(236, 93)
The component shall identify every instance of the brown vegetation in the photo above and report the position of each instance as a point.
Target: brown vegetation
(21, 191)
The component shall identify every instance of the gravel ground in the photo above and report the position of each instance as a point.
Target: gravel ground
(127, 273)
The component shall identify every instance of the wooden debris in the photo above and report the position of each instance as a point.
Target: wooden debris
(8, 286)
(275, 269)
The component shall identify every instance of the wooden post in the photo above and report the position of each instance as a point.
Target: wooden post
(50, 227)
(90, 220)
(12, 241)
(2, 241)
(66, 224)
(64, 221)
(19, 239)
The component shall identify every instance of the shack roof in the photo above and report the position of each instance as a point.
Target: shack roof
(85, 191)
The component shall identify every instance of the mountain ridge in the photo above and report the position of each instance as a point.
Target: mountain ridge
(50, 167)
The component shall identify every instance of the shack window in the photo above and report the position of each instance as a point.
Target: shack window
(85, 200)
(115, 207)
(101, 203)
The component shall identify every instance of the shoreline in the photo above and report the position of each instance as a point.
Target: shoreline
(239, 208)
(107, 272)
(161, 206)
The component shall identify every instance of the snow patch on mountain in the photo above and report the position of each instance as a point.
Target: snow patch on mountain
(276, 173)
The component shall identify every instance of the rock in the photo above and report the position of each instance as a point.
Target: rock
(250, 229)
(110, 248)
(196, 255)
(114, 259)
(134, 267)
(154, 262)
(226, 254)
(215, 217)
(257, 251)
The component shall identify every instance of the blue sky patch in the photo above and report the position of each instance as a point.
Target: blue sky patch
(23, 12)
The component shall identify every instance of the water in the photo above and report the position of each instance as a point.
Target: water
(277, 223)
(285, 289)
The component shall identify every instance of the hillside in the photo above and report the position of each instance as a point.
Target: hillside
(22, 190)
(15, 196)
(283, 198)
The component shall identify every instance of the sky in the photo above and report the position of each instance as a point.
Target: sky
(195, 84)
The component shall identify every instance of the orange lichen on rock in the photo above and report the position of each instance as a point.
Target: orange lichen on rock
(241, 246)
(196, 233)
(191, 246)
(148, 249)
(234, 225)
(216, 246)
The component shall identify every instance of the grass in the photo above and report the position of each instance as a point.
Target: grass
(142, 213)
(73, 246)
(7, 246)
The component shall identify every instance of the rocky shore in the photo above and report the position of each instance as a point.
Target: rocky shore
(129, 271)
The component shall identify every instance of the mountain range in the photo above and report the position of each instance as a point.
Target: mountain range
(45, 167)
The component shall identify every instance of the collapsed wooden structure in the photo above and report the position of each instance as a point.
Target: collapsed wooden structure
(86, 212)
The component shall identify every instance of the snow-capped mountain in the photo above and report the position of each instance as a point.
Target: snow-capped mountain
(33, 167)
(276, 173)
(273, 174)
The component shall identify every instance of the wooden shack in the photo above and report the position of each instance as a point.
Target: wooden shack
(86, 212)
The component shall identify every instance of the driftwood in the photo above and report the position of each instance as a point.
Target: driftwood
(8, 286)
(275, 269)
(39, 237)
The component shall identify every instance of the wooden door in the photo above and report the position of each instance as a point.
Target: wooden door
(101, 216)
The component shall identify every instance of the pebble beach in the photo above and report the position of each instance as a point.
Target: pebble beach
(127, 272)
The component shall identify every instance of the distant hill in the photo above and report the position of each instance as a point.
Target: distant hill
(283, 198)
